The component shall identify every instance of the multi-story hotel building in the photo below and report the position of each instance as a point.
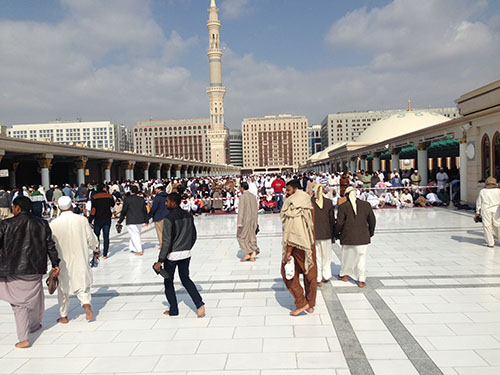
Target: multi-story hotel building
(97, 134)
(348, 126)
(184, 138)
(275, 141)
(235, 148)
(314, 139)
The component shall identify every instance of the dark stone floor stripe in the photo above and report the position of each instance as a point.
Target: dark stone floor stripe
(351, 347)
(410, 346)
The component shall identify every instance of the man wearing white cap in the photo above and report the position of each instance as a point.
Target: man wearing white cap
(73, 237)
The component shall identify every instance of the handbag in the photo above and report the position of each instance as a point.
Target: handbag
(52, 281)
(478, 218)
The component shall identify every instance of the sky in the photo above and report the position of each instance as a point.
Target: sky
(131, 60)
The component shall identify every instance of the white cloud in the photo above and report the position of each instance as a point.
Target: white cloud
(408, 34)
(104, 60)
(110, 60)
(232, 9)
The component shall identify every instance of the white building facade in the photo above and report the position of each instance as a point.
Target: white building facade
(348, 126)
(97, 134)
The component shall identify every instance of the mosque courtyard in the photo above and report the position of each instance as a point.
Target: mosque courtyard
(431, 306)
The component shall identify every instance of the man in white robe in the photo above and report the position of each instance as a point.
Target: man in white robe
(73, 237)
(488, 206)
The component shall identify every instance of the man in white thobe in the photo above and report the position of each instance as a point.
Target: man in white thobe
(488, 206)
(442, 179)
(73, 237)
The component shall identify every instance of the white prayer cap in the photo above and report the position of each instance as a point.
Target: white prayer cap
(64, 203)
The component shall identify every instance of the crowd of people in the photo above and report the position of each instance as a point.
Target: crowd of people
(316, 209)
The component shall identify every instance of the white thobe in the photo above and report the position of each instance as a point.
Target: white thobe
(323, 259)
(75, 243)
(354, 262)
(441, 178)
(488, 205)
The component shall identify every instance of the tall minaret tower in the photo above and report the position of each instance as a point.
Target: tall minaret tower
(218, 133)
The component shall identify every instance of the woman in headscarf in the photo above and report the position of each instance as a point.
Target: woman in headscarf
(355, 227)
(324, 229)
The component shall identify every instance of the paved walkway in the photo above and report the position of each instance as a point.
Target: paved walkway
(432, 306)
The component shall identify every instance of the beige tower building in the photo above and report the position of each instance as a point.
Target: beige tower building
(217, 134)
(275, 141)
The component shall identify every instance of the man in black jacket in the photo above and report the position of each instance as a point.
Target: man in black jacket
(134, 209)
(355, 227)
(179, 237)
(100, 214)
(25, 243)
(159, 210)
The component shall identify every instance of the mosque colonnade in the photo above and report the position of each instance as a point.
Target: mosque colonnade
(33, 163)
(467, 145)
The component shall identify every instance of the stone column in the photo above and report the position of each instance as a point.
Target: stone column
(176, 171)
(376, 161)
(129, 169)
(168, 169)
(395, 158)
(81, 163)
(363, 163)
(145, 168)
(45, 161)
(423, 163)
(12, 174)
(106, 167)
(158, 167)
(463, 167)
(352, 165)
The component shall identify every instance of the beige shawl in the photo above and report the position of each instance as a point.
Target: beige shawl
(296, 216)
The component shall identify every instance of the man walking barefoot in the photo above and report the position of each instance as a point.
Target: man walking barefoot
(179, 237)
(248, 221)
(73, 237)
(25, 243)
(298, 245)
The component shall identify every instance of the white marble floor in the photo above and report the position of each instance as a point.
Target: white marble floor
(431, 307)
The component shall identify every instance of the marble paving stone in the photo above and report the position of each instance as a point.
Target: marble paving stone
(261, 361)
(165, 348)
(9, 366)
(392, 367)
(230, 346)
(121, 364)
(204, 333)
(295, 345)
(436, 290)
(321, 360)
(55, 366)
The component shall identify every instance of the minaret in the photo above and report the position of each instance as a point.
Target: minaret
(218, 133)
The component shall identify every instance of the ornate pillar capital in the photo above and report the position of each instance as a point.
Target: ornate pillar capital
(44, 160)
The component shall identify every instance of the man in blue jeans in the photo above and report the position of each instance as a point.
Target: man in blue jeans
(179, 237)
(100, 216)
